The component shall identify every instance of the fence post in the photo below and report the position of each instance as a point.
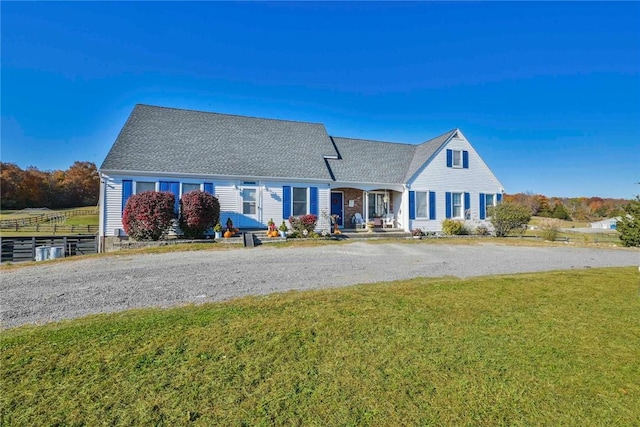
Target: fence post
(33, 248)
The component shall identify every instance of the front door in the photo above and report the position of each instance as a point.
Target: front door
(337, 207)
(250, 210)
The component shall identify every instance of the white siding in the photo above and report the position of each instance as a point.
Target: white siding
(113, 206)
(272, 202)
(436, 176)
(229, 199)
(324, 208)
(227, 191)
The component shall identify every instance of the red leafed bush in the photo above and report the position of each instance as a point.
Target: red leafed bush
(303, 223)
(199, 211)
(148, 215)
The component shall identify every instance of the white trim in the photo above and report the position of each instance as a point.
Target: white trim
(426, 217)
(308, 200)
(463, 208)
(453, 157)
(215, 177)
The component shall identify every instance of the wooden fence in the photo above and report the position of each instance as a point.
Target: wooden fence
(40, 218)
(18, 249)
(58, 229)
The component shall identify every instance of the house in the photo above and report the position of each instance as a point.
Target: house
(265, 168)
(605, 224)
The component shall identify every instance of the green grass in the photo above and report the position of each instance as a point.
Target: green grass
(558, 348)
(83, 220)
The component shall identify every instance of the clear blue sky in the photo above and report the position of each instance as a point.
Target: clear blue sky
(548, 93)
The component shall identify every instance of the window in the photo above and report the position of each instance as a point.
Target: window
(489, 201)
(456, 204)
(421, 204)
(377, 205)
(299, 201)
(457, 158)
(249, 201)
(142, 186)
(189, 187)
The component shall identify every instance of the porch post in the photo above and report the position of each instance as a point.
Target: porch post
(405, 209)
(366, 205)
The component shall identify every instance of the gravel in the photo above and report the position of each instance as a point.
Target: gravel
(64, 290)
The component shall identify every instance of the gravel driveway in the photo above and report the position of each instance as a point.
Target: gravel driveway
(54, 291)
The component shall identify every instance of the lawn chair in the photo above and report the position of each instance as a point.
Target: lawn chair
(389, 221)
(358, 221)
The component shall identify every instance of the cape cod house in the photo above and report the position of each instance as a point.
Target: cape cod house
(265, 168)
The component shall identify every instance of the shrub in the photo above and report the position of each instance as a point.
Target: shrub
(629, 224)
(452, 227)
(148, 215)
(302, 223)
(481, 230)
(549, 228)
(199, 211)
(506, 217)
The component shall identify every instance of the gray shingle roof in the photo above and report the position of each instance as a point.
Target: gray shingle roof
(158, 139)
(371, 161)
(424, 152)
(169, 140)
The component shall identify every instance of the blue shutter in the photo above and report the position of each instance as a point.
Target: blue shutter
(467, 205)
(173, 188)
(127, 190)
(465, 159)
(412, 205)
(432, 205)
(449, 158)
(482, 205)
(286, 202)
(208, 187)
(447, 199)
(313, 201)
(498, 198)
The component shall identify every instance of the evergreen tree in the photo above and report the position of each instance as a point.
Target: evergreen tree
(629, 224)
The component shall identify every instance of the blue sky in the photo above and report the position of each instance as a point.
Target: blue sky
(548, 93)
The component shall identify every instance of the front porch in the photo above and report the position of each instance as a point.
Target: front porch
(357, 207)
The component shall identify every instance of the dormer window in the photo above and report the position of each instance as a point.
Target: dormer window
(457, 158)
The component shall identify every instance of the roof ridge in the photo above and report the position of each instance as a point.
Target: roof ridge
(448, 133)
(375, 140)
(228, 114)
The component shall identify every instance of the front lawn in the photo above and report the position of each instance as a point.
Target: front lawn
(559, 348)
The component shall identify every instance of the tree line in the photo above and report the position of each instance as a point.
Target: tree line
(569, 208)
(32, 188)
